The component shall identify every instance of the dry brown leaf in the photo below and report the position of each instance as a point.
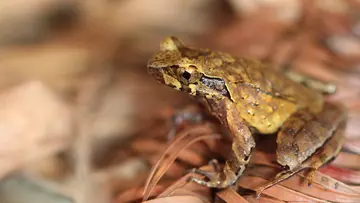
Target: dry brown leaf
(347, 160)
(230, 195)
(353, 145)
(184, 187)
(181, 199)
(180, 142)
(343, 174)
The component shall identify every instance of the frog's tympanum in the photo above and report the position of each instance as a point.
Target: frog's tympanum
(250, 98)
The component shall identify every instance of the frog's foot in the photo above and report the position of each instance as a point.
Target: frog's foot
(310, 177)
(215, 164)
(181, 117)
(242, 145)
(214, 177)
(219, 179)
(186, 115)
(209, 174)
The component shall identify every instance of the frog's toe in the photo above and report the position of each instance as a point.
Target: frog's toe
(214, 179)
(208, 174)
(181, 117)
(211, 183)
(310, 177)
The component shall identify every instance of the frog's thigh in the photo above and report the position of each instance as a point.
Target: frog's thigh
(328, 151)
(303, 133)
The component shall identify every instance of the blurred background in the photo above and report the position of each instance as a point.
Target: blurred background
(74, 87)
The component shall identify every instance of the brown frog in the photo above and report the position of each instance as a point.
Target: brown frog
(250, 98)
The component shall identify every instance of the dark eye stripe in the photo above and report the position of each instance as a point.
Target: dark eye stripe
(216, 84)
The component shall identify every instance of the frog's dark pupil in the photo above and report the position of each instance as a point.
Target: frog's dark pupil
(186, 75)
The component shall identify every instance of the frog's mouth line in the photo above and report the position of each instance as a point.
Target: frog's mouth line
(165, 76)
(156, 73)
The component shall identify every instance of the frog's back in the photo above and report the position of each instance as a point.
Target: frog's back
(264, 97)
(276, 84)
(253, 73)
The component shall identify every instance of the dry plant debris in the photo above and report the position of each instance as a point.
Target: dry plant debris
(189, 152)
(80, 115)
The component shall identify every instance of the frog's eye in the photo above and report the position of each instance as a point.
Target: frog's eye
(186, 75)
(189, 77)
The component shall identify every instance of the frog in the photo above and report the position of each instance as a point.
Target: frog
(250, 98)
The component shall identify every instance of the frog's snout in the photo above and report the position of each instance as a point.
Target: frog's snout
(156, 73)
(154, 63)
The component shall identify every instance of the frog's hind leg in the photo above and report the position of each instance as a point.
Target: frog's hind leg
(330, 150)
(305, 135)
(324, 87)
(242, 145)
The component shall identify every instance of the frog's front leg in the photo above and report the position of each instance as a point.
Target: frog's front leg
(304, 133)
(242, 145)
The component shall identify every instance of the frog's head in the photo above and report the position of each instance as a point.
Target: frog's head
(177, 65)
